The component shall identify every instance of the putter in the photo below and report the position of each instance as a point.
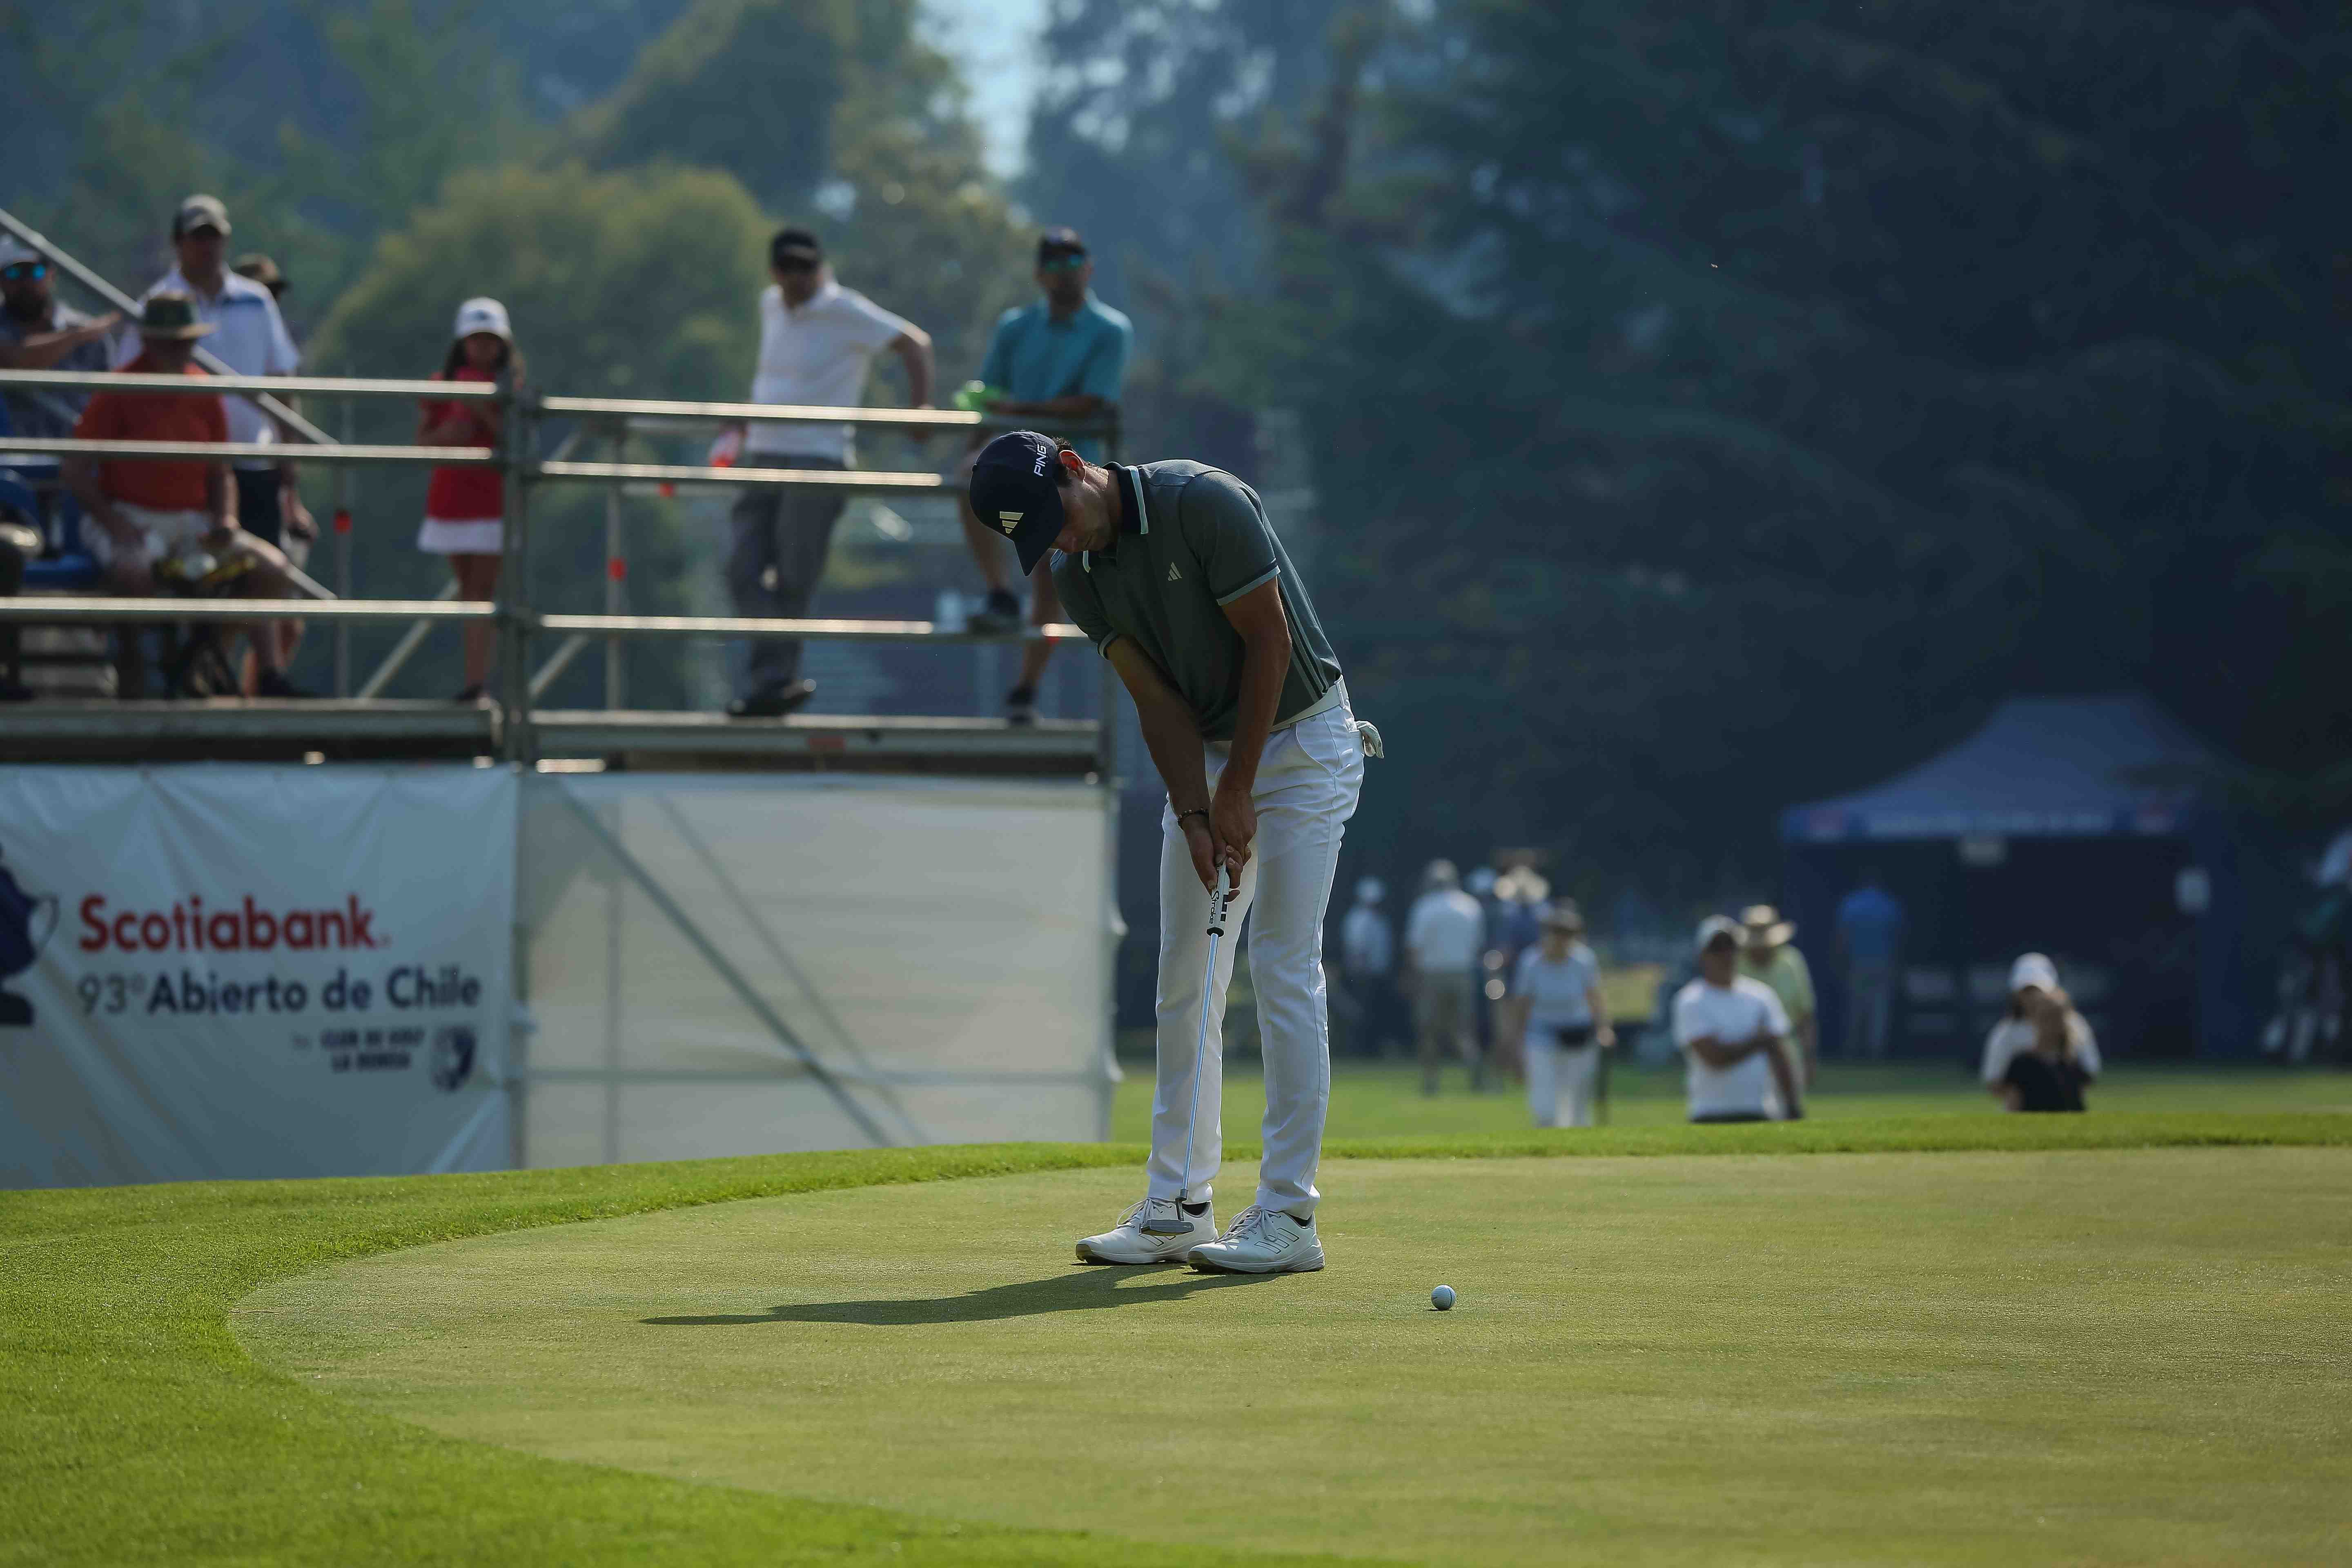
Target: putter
(1176, 1223)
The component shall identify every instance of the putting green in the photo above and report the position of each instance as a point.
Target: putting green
(2137, 1356)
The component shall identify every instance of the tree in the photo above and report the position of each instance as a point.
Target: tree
(619, 284)
(1931, 356)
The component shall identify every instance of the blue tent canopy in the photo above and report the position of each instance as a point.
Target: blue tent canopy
(2040, 767)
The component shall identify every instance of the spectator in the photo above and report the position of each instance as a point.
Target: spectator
(1368, 966)
(20, 540)
(465, 508)
(38, 332)
(1770, 957)
(1444, 937)
(1869, 943)
(1560, 1019)
(1734, 1036)
(1062, 358)
(817, 342)
(2042, 1056)
(296, 544)
(150, 511)
(1513, 924)
(263, 270)
(250, 340)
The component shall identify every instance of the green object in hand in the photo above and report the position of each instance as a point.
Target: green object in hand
(978, 397)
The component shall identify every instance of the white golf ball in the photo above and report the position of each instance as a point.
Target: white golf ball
(1442, 1298)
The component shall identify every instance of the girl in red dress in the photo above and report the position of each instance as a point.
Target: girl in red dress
(465, 508)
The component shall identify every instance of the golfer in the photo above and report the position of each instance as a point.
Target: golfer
(1172, 570)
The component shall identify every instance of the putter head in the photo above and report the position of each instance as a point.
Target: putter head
(1174, 1224)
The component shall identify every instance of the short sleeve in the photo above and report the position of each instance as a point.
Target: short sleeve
(1523, 972)
(2087, 1044)
(284, 358)
(996, 368)
(1105, 367)
(1075, 585)
(873, 328)
(1220, 521)
(1997, 1053)
(1776, 1018)
(1685, 1016)
(101, 419)
(1801, 982)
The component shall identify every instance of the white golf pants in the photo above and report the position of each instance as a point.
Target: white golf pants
(1307, 786)
(1556, 1072)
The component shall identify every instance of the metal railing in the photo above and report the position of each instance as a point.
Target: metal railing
(524, 415)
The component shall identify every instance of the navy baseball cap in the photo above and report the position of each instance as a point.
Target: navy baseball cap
(1016, 488)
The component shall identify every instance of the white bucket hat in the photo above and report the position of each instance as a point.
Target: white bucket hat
(482, 315)
(2033, 969)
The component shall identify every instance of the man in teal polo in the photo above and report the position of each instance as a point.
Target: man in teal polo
(1173, 571)
(1062, 358)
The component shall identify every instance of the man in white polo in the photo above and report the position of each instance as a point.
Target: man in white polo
(250, 338)
(817, 342)
(1173, 571)
(1734, 1035)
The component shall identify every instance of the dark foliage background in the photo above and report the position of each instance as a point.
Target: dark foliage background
(1713, 403)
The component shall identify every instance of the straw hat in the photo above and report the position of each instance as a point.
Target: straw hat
(1764, 926)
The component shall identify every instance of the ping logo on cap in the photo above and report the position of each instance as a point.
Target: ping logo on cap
(1008, 520)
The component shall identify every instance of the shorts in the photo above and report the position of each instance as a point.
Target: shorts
(164, 533)
(468, 536)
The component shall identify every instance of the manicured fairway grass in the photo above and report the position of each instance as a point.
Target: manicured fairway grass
(2123, 1357)
(1383, 1099)
(133, 1429)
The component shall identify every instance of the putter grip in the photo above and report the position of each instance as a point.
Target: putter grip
(1219, 902)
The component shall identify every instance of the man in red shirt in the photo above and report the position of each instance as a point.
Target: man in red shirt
(151, 511)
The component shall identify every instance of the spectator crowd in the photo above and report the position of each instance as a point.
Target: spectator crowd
(240, 525)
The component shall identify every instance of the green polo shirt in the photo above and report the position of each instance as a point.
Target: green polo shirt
(1193, 540)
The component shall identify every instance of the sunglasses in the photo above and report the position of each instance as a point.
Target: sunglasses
(24, 271)
(1068, 261)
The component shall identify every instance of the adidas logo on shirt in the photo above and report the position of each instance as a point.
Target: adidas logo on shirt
(1174, 575)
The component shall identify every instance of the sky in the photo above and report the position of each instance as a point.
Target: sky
(995, 43)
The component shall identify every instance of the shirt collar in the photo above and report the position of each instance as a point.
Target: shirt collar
(1136, 518)
(234, 286)
(825, 292)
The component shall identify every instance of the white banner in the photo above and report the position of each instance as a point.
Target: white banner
(228, 971)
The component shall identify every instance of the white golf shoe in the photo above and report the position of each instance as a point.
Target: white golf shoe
(1261, 1241)
(1128, 1242)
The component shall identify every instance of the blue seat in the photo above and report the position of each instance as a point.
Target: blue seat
(64, 564)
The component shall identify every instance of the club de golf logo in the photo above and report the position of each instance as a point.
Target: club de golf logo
(26, 919)
(452, 1058)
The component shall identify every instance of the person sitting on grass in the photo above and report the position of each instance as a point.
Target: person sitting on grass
(148, 513)
(1734, 1032)
(2042, 1056)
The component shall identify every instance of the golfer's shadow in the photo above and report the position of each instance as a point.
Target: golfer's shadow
(1079, 1290)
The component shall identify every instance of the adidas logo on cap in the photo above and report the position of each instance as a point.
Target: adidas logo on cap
(1008, 520)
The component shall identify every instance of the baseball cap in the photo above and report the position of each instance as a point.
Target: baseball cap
(1718, 926)
(1056, 242)
(2033, 969)
(200, 210)
(12, 250)
(482, 315)
(795, 244)
(1016, 489)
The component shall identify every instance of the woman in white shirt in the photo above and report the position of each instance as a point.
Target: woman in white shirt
(2042, 1056)
(1560, 1016)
